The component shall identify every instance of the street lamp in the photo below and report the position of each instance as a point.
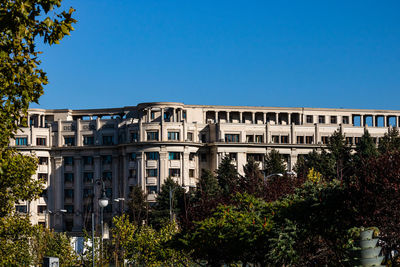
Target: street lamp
(120, 200)
(272, 175)
(103, 202)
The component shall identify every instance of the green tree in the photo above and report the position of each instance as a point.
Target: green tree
(137, 205)
(274, 163)
(389, 142)
(207, 185)
(23, 24)
(228, 177)
(365, 149)
(253, 180)
(341, 153)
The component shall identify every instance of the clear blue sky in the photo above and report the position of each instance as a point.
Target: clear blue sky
(259, 53)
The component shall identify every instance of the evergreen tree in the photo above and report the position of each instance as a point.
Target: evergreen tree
(365, 149)
(228, 177)
(208, 185)
(137, 206)
(253, 180)
(341, 153)
(274, 163)
(389, 142)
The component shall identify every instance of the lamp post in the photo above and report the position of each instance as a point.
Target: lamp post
(103, 202)
(120, 200)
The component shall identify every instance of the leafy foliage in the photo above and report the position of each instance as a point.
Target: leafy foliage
(274, 163)
(137, 205)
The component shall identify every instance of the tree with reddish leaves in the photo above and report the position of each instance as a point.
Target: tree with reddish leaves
(374, 194)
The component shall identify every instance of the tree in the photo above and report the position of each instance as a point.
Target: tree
(365, 149)
(137, 206)
(228, 177)
(274, 163)
(253, 180)
(341, 153)
(22, 24)
(389, 142)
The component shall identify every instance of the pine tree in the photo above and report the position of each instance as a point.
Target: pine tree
(137, 206)
(274, 163)
(389, 142)
(228, 177)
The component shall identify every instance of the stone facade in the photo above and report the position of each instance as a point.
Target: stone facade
(144, 144)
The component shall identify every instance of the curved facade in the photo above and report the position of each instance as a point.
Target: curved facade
(144, 144)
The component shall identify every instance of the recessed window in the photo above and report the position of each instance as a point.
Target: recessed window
(134, 137)
(300, 139)
(68, 160)
(250, 138)
(232, 156)
(41, 209)
(152, 115)
(88, 177)
(107, 176)
(333, 119)
(106, 159)
(275, 139)
(151, 172)
(152, 136)
(191, 173)
(41, 141)
(284, 139)
(87, 160)
(173, 136)
(325, 140)
(259, 138)
(108, 140)
(192, 156)
(87, 192)
(132, 173)
(349, 140)
(321, 119)
(68, 177)
(357, 140)
(69, 140)
(88, 140)
(309, 139)
(43, 177)
(345, 119)
(232, 138)
(189, 136)
(68, 193)
(309, 119)
(21, 141)
(174, 155)
(132, 156)
(20, 208)
(43, 161)
(151, 155)
(151, 189)
(256, 157)
(174, 172)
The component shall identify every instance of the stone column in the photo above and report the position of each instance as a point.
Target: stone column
(316, 137)
(216, 117)
(163, 171)
(115, 191)
(78, 133)
(42, 121)
(162, 115)
(185, 167)
(78, 205)
(253, 118)
(385, 124)
(59, 136)
(289, 116)
(292, 134)
(267, 134)
(58, 187)
(276, 118)
(227, 117)
(140, 171)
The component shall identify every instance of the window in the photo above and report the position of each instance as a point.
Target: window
(192, 156)
(132, 156)
(134, 137)
(43, 177)
(87, 192)
(259, 138)
(69, 140)
(309, 119)
(20, 208)
(151, 172)
(275, 139)
(256, 157)
(151, 155)
(174, 155)
(232, 156)
(357, 140)
(325, 140)
(203, 157)
(88, 140)
(250, 138)
(173, 136)
(106, 159)
(68, 193)
(345, 119)
(189, 136)
(300, 139)
(132, 173)
(43, 160)
(309, 139)
(174, 172)
(349, 140)
(108, 140)
(68, 177)
(21, 141)
(191, 173)
(203, 138)
(333, 119)
(87, 160)
(107, 176)
(231, 138)
(152, 189)
(152, 136)
(68, 160)
(109, 195)
(41, 209)
(321, 119)
(152, 115)
(41, 141)
(284, 139)
(88, 177)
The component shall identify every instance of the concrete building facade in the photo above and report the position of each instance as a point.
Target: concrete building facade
(144, 144)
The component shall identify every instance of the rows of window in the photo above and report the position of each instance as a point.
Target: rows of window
(322, 119)
(41, 209)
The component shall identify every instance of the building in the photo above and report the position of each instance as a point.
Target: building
(144, 144)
